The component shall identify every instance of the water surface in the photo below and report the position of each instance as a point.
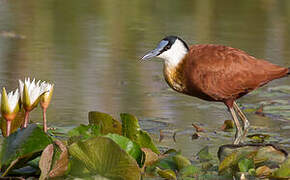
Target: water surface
(91, 50)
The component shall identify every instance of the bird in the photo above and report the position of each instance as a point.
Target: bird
(216, 73)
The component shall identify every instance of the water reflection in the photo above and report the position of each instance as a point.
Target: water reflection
(91, 49)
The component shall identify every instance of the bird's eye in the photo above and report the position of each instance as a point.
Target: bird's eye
(166, 48)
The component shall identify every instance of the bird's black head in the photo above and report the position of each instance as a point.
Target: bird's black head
(169, 46)
(171, 40)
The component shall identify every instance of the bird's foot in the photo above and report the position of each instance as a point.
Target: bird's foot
(238, 137)
(237, 141)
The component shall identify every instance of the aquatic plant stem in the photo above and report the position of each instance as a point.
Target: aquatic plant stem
(8, 128)
(26, 119)
(44, 119)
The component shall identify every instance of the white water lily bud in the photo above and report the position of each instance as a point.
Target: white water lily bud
(46, 97)
(10, 104)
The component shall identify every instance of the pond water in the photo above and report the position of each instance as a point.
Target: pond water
(91, 50)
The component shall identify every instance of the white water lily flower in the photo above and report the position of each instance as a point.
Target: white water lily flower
(30, 93)
(10, 106)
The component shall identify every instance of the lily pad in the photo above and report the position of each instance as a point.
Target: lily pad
(229, 162)
(54, 161)
(181, 161)
(259, 137)
(283, 171)
(24, 144)
(204, 155)
(167, 174)
(83, 132)
(190, 171)
(245, 164)
(129, 146)
(106, 122)
(102, 156)
(228, 125)
(267, 154)
(273, 156)
(132, 130)
(205, 166)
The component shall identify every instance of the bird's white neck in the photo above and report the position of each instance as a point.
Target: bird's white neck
(174, 55)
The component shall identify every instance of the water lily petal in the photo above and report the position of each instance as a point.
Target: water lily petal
(4, 102)
(32, 91)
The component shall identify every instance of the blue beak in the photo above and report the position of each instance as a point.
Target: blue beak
(156, 51)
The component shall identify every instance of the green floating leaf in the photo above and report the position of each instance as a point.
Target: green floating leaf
(172, 151)
(130, 126)
(106, 122)
(188, 178)
(252, 172)
(167, 174)
(167, 162)
(181, 161)
(204, 155)
(24, 144)
(78, 170)
(190, 171)
(145, 141)
(228, 162)
(270, 156)
(132, 130)
(245, 164)
(129, 146)
(262, 154)
(228, 125)
(283, 171)
(214, 176)
(259, 137)
(102, 156)
(83, 132)
(205, 166)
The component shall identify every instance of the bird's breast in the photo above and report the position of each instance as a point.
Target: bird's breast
(179, 79)
(174, 78)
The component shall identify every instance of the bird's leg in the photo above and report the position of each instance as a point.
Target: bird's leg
(238, 135)
(244, 119)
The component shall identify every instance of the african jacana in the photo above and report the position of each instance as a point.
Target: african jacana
(215, 73)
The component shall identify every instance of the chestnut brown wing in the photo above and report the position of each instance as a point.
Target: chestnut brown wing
(224, 73)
